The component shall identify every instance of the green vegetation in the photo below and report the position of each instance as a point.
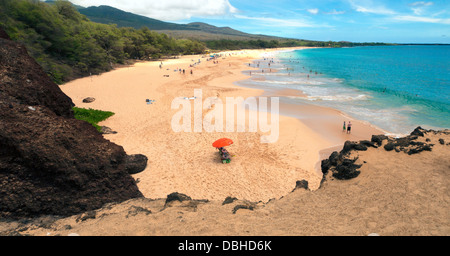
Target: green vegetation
(68, 45)
(225, 44)
(92, 116)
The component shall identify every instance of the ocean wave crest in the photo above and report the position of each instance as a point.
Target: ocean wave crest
(338, 97)
(294, 82)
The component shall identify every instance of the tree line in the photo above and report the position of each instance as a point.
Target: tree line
(227, 44)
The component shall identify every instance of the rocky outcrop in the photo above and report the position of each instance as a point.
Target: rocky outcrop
(135, 163)
(343, 166)
(106, 130)
(301, 184)
(88, 100)
(184, 201)
(409, 144)
(229, 200)
(24, 83)
(51, 163)
(246, 205)
(175, 196)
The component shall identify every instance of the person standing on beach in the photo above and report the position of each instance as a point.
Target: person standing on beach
(349, 127)
(343, 128)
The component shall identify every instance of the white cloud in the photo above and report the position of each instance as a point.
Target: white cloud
(313, 11)
(167, 10)
(417, 11)
(419, 7)
(439, 13)
(367, 6)
(334, 12)
(278, 22)
(421, 19)
(421, 3)
(370, 7)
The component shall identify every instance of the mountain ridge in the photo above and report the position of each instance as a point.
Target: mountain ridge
(110, 15)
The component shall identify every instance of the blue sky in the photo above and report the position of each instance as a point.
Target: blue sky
(399, 21)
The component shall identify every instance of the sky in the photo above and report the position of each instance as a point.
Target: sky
(389, 21)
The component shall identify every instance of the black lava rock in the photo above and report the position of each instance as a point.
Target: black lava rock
(51, 163)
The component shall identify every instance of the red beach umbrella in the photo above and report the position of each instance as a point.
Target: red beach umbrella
(222, 143)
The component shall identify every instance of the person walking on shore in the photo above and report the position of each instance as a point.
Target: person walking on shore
(349, 127)
(343, 128)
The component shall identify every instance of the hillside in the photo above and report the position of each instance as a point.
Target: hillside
(196, 30)
(110, 15)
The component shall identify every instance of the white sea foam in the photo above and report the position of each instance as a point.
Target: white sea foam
(338, 97)
(299, 82)
(271, 74)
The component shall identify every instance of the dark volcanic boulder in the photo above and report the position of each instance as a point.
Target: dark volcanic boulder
(301, 184)
(367, 143)
(351, 145)
(229, 200)
(340, 164)
(419, 131)
(346, 170)
(135, 163)
(88, 100)
(378, 139)
(389, 146)
(51, 163)
(175, 196)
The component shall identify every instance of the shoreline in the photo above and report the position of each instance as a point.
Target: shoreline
(186, 162)
(302, 112)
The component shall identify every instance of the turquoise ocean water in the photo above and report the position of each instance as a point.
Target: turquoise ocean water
(396, 88)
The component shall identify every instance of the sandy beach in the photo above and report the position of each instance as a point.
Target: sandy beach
(395, 194)
(409, 198)
(186, 162)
